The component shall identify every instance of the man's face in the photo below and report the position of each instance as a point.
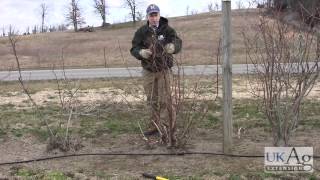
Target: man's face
(154, 19)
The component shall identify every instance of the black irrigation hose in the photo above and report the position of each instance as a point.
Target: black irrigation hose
(136, 154)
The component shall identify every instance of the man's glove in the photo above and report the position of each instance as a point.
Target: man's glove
(145, 53)
(169, 48)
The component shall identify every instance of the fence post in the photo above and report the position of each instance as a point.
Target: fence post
(227, 77)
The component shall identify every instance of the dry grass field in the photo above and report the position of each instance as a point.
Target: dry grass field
(200, 34)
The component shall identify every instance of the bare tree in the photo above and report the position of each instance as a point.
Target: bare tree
(216, 6)
(28, 30)
(44, 13)
(210, 7)
(52, 28)
(239, 4)
(101, 9)
(35, 30)
(194, 12)
(187, 10)
(12, 32)
(74, 16)
(3, 31)
(269, 3)
(140, 16)
(257, 3)
(62, 27)
(281, 4)
(133, 6)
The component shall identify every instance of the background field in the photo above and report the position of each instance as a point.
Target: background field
(200, 34)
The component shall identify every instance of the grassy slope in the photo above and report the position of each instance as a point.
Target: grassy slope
(200, 34)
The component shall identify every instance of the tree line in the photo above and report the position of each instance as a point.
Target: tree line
(75, 19)
(308, 9)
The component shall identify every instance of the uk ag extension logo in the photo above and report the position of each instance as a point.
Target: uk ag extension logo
(288, 159)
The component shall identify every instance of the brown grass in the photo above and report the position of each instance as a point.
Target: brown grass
(200, 34)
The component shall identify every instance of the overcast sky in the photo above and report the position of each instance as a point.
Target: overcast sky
(24, 13)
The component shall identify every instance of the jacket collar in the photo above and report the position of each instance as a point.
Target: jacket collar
(162, 22)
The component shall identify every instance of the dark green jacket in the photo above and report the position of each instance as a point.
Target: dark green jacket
(146, 38)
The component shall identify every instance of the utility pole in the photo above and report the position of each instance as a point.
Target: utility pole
(227, 77)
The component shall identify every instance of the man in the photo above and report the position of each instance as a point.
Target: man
(153, 44)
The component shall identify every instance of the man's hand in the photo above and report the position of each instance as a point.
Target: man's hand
(169, 48)
(145, 53)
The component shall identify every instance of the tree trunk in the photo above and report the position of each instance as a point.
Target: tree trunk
(42, 24)
(104, 20)
(269, 3)
(134, 15)
(75, 25)
(280, 139)
(104, 13)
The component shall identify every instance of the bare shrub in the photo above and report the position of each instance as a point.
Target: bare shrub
(184, 103)
(59, 137)
(286, 67)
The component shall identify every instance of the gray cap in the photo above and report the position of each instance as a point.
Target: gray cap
(152, 8)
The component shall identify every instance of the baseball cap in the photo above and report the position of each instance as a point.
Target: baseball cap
(152, 8)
